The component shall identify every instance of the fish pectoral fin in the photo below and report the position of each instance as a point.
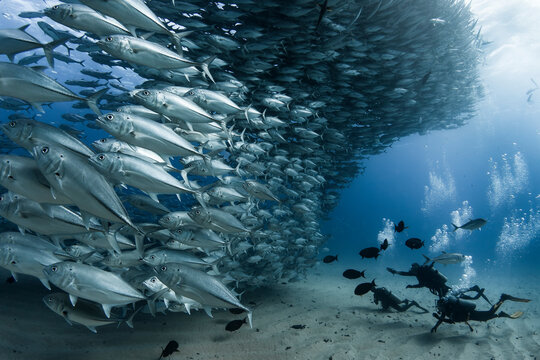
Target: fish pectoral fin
(73, 299)
(92, 329)
(107, 309)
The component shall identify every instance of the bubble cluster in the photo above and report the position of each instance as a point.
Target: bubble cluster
(441, 188)
(440, 240)
(518, 231)
(507, 180)
(460, 217)
(465, 281)
(387, 232)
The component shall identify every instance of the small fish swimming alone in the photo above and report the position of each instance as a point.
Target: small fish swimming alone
(364, 288)
(171, 347)
(235, 325)
(353, 274)
(384, 245)
(400, 227)
(446, 258)
(329, 258)
(414, 243)
(370, 252)
(471, 225)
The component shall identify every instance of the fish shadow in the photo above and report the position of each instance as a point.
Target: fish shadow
(429, 338)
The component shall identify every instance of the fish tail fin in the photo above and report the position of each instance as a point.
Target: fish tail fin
(455, 227)
(129, 321)
(49, 47)
(204, 67)
(93, 99)
(177, 40)
(427, 259)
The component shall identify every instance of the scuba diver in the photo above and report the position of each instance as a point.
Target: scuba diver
(432, 279)
(452, 309)
(387, 299)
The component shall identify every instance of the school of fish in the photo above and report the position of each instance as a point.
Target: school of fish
(213, 173)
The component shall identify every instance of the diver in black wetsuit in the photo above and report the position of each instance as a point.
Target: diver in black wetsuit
(452, 309)
(387, 299)
(432, 279)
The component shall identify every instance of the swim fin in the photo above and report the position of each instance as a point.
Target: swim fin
(511, 298)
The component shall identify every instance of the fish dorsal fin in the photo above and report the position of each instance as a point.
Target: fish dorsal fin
(24, 27)
(147, 35)
(444, 252)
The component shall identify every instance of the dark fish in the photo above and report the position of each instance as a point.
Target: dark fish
(400, 226)
(324, 8)
(235, 325)
(329, 258)
(171, 347)
(298, 327)
(10, 280)
(414, 243)
(370, 252)
(236, 311)
(384, 245)
(471, 225)
(364, 288)
(353, 274)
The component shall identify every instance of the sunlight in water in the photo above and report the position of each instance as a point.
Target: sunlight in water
(507, 180)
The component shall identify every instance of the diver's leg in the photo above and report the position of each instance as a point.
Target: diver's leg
(440, 320)
(479, 293)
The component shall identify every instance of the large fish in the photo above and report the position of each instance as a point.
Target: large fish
(21, 175)
(130, 170)
(21, 259)
(199, 286)
(80, 17)
(49, 220)
(91, 283)
(14, 41)
(446, 258)
(471, 224)
(36, 88)
(86, 313)
(78, 180)
(139, 131)
(143, 52)
(29, 133)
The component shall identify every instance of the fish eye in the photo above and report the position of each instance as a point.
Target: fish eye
(55, 7)
(191, 93)
(146, 92)
(163, 268)
(152, 257)
(44, 150)
(109, 38)
(13, 262)
(102, 140)
(179, 231)
(54, 268)
(101, 157)
(109, 117)
(198, 212)
(12, 124)
(153, 280)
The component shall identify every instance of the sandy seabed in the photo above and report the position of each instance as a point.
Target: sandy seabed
(338, 325)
